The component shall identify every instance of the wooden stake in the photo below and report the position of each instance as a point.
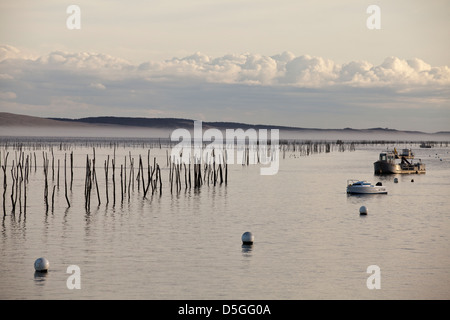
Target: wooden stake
(57, 179)
(121, 182)
(4, 165)
(106, 178)
(65, 182)
(71, 170)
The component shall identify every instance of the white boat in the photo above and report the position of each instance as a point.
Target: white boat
(364, 187)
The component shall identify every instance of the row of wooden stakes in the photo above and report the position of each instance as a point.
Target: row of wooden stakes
(149, 178)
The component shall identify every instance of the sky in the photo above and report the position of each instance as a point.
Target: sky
(311, 64)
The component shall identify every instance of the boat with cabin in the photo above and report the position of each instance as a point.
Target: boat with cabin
(426, 145)
(364, 187)
(391, 162)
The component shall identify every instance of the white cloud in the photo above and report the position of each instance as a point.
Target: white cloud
(9, 52)
(7, 95)
(84, 61)
(282, 69)
(5, 76)
(97, 85)
(311, 71)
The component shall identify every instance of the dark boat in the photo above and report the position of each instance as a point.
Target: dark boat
(391, 162)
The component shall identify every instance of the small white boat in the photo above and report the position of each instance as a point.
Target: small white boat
(364, 187)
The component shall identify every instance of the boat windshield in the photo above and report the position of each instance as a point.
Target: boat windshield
(382, 156)
(361, 183)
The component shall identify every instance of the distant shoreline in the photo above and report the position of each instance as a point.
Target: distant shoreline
(16, 125)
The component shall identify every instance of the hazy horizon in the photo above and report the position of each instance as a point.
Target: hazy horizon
(20, 126)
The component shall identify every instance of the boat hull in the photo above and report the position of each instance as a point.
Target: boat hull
(366, 190)
(383, 167)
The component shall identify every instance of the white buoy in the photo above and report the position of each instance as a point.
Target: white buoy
(363, 210)
(41, 265)
(395, 180)
(247, 238)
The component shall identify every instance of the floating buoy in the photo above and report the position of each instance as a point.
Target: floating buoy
(247, 238)
(412, 180)
(41, 265)
(395, 180)
(363, 210)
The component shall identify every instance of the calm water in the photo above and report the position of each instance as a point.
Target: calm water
(310, 241)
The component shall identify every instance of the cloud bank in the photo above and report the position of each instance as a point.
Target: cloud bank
(281, 69)
(232, 87)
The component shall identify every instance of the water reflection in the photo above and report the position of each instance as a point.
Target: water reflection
(319, 219)
(40, 277)
(247, 250)
(18, 225)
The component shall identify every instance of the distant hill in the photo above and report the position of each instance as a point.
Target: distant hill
(187, 123)
(19, 125)
(169, 123)
(18, 120)
(133, 122)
